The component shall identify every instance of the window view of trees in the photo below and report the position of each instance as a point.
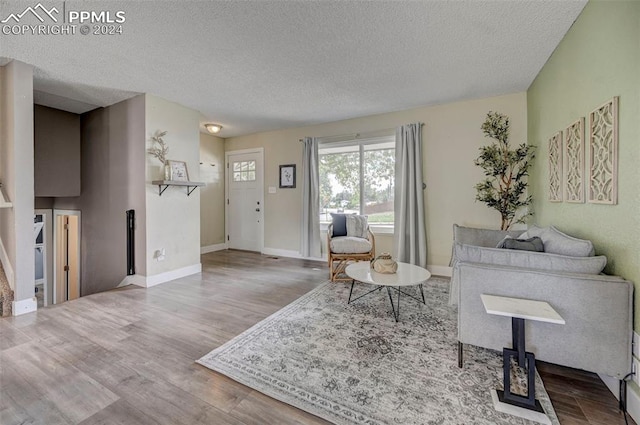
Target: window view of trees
(357, 178)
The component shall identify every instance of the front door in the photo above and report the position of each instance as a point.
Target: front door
(245, 201)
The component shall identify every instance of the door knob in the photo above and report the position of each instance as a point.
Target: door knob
(257, 209)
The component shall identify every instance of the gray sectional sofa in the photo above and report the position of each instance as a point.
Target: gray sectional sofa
(597, 308)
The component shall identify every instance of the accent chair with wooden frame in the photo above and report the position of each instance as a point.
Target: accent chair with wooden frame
(343, 250)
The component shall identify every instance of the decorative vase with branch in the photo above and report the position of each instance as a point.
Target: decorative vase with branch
(159, 150)
(506, 171)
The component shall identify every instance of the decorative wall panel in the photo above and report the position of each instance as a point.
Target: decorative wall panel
(574, 154)
(555, 168)
(603, 154)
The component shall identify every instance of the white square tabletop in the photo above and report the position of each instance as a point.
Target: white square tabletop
(521, 308)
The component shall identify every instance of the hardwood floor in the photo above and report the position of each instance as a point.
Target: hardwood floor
(127, 356)
(580, 397)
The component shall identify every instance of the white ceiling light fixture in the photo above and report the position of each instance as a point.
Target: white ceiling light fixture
(213, 128)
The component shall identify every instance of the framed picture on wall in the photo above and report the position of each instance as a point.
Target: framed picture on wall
(288, 176)
(178, 171)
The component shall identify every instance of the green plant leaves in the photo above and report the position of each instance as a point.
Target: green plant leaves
(506, 170)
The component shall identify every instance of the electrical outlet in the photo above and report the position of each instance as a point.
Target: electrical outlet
(635, 368)
(159, 254)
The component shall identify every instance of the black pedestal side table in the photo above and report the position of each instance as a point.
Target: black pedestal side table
(520, 310)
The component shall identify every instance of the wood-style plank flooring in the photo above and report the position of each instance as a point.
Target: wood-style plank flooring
(127, 356)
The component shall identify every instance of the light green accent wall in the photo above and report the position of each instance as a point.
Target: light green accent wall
(599, 58)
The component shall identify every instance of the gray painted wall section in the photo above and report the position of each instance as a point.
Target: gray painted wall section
(16, 175)
(57, 152)
(211, 195)
(113, 181)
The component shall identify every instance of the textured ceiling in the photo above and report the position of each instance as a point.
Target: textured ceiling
(262, 65)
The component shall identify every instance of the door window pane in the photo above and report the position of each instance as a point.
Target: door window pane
(244, 171)
(37, 228)
(39, 254)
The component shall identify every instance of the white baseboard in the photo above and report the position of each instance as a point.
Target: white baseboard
(281, 252)
(439, 270)
(135, 279)
(8, 270)
(213, 248)
(289, 254)
(633, 402)
(28, 305)
(633, 391)
(435, 270)
(157, 279)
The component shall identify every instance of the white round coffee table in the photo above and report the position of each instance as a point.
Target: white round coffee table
(407, 275)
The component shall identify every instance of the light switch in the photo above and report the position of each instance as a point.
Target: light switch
(272, 189)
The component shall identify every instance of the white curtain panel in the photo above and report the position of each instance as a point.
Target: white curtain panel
(410, 234)
(310, 199)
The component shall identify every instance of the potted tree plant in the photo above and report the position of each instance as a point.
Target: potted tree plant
(506, 171)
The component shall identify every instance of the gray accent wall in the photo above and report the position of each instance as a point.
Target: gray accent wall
(212, 195)
(113, 181)
(56, 152)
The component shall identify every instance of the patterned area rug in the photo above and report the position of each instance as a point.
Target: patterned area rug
(353, 364)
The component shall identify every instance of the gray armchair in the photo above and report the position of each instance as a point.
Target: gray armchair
(597, 308)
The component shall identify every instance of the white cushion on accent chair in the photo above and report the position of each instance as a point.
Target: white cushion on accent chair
(349, 239)
(349, 245)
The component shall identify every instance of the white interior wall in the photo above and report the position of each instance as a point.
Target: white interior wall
(16, 175)
(173, 219)
(451, 138)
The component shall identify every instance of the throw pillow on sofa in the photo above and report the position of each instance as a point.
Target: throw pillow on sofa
(556, 242)
(532, 231)
(529, 260)
(534, 244)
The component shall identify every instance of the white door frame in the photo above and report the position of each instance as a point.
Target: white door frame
(47, 241)
(260, 152)
(57, 213)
